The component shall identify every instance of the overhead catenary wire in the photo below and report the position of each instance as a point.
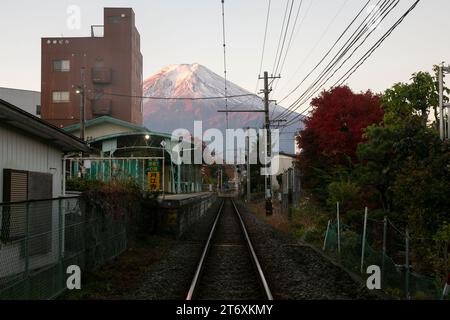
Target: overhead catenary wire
(281, 36)
(291, 36)
(284, 39)
(324, 33)
(224, 59)
(264, 46)
(287, 48)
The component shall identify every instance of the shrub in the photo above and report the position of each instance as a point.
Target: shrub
(345, 192)
(80, 184)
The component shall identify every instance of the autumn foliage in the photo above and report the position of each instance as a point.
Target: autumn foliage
(337, 122)
(332, 134)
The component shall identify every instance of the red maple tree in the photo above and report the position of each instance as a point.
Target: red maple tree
(335, 127)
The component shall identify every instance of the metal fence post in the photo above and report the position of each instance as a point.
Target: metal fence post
(407, 265)
(27, 256)
(338, 229)
(326, 235)
(363, 240)
(384, 249)
(61, 246)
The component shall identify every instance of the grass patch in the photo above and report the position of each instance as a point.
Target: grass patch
(308, 222)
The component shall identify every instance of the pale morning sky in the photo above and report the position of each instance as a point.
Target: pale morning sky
(181, 31)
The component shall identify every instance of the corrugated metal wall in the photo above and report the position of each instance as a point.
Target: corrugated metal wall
(22, 152)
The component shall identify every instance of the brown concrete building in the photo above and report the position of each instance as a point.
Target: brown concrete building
(110, 63)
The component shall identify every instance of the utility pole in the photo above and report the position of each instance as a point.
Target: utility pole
(82, 92)
(448, 120)
(218, 179)
(268, 178)
(441, 102)
(248, 165)
(442, 71)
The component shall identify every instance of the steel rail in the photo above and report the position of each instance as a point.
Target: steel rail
(262, 278)
(200, 266)
(196, 278)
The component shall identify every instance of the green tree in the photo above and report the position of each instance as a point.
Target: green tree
(403, 161)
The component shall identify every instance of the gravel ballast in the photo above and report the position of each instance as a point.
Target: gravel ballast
(293, 270)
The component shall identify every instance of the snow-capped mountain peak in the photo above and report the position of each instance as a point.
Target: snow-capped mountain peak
(188, 80)
(197, 81)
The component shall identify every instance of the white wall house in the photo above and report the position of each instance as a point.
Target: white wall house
(31, 152)
(285, 162)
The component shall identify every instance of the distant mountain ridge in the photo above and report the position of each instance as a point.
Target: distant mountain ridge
(197, 81)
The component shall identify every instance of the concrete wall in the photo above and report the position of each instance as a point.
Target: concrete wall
(22, 152)
(179, 212)
(25, 99)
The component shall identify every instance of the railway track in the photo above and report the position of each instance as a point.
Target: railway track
(228, 268)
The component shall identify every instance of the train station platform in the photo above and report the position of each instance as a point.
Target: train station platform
(180, 211)
(177, 200)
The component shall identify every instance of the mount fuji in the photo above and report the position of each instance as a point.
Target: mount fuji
(197, 81)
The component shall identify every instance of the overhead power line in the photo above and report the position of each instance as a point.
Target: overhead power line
(330, 68)
(329, 51)
(365, 26)
(353, 69)
(180, 98)
(356, 66)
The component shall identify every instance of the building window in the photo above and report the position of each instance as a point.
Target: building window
(114, 19)
(61, 96)
(61, 65)
(99, 63)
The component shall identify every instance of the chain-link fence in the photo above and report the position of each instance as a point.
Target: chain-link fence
(40, 239)
(387, 247)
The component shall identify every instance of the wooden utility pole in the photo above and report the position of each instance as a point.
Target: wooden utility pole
(267, 123)
(268, 177)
